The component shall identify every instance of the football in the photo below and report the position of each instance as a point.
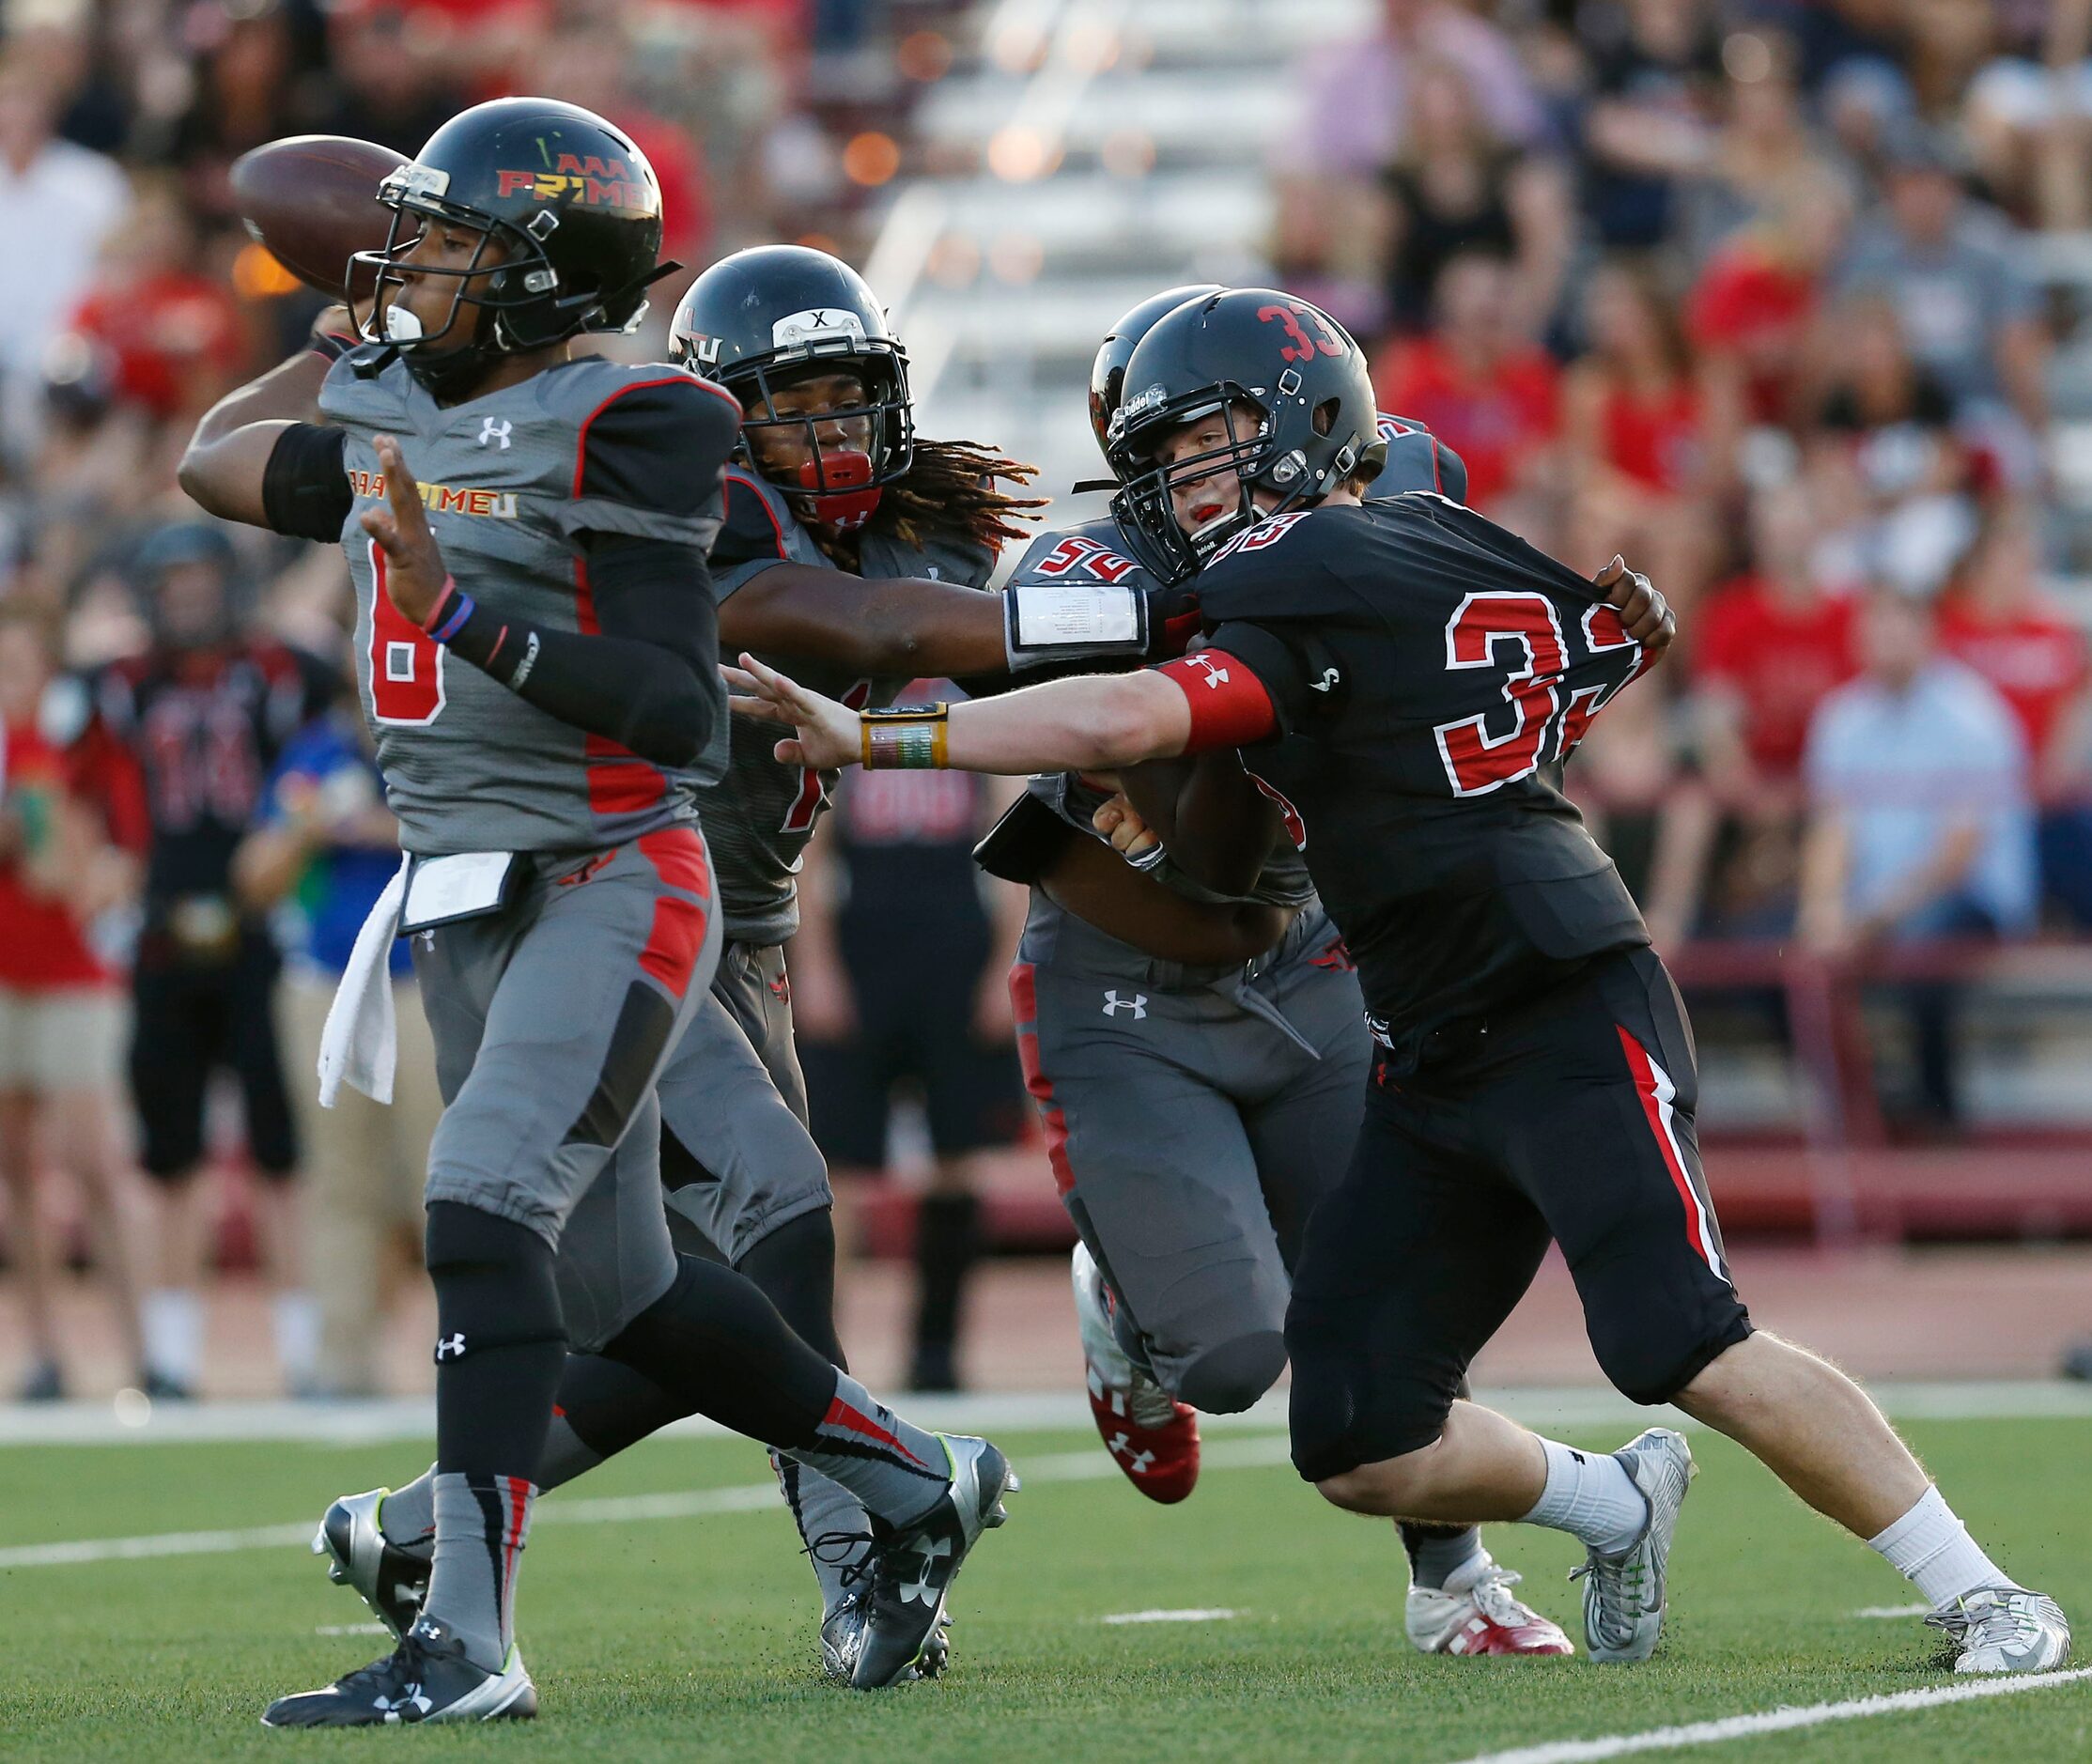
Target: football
(312, 200)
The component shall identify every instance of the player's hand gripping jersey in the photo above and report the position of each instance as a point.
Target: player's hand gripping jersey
(759, 816)
(518, 484)
(1409, 678)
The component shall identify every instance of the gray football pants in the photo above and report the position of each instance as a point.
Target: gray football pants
(553, 1019)
(1193, 1118)
(733, 1095)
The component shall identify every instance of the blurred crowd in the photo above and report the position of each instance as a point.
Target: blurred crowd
(1762, 294)
(1776, 298)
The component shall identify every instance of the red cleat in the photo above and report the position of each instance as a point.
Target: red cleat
(1476, 1612)
(1160, 1458)
(1151, 1436)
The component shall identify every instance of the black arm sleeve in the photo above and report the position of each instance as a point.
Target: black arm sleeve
(647, 678)
(646, 507)
(304, 487)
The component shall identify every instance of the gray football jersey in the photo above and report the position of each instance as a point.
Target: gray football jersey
(511, 481)
(759, 816)
(1096, 552)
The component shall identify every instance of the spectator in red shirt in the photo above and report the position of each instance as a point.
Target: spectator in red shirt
(1772, 646)
(1998, 620)
(1490, 395)
(1639, 471)
(1750, 315)
(173, 334)
(61, 1013)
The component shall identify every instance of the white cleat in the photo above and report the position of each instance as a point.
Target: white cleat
(2004, 1629)
(1476, 1613)
(1625, 1595)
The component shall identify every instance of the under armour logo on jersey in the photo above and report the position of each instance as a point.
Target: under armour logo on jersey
(1113, 1004)
(451, 1347)
(1217, 676)
(495, 428)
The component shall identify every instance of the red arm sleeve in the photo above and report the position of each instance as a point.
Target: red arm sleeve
(1230, 707)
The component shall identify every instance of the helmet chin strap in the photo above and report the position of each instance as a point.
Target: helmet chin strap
(840, 498)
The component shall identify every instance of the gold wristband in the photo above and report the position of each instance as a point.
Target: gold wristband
(903, 738)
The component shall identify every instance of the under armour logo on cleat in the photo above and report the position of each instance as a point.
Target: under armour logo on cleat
(493, 428)
(451, 1347)
(1113, 1004)
(394, 1709)
(920, 1591)
(1136, 1462)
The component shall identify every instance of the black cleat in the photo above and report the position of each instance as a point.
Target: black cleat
(913, 1566)
(426, 1679)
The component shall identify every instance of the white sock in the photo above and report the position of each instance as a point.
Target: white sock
(173, 1320)
(1931, 1548)
(1590, 1495)
(297, 1319)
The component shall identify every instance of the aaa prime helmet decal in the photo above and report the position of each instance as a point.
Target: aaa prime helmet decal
(568, 219)
(588, 180)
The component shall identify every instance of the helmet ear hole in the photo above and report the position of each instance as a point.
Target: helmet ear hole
(1325, 416)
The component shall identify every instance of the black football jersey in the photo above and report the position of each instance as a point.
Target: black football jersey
(1430, 672)
(203, 731)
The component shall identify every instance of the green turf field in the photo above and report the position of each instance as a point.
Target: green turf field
(685, 1637)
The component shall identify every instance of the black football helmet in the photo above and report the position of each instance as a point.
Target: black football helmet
(1312, 421)
(569, 215)
(766, 317)
(1107, 372)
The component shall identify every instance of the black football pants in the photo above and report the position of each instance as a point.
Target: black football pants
(1567, 1118)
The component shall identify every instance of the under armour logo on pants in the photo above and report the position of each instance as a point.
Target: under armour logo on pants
(450, 1348)
(1113, 1004)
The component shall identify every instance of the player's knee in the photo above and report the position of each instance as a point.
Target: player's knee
(1231, 1378)
(1348, 1416)
(794, 1266)
(496, 1281)
(1370, 1487)
(1649, 1362)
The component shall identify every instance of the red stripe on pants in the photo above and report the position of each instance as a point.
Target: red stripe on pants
(1024, 1001)
(1649, 1090)
(678, 854)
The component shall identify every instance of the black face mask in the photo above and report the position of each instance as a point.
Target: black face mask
(448, 377)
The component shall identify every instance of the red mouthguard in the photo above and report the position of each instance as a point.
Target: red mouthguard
(835, 479)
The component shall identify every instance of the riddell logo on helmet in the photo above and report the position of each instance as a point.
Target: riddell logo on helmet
(593, 182)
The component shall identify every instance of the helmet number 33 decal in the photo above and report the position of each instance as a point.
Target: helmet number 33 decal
(1298, 346)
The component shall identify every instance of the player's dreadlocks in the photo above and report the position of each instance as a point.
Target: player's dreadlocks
(952, 486)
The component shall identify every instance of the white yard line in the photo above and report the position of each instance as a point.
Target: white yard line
(1920, 1609)
(610, 1510)
(1213, 1614)
(364, 1423)
(1774, 1721)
